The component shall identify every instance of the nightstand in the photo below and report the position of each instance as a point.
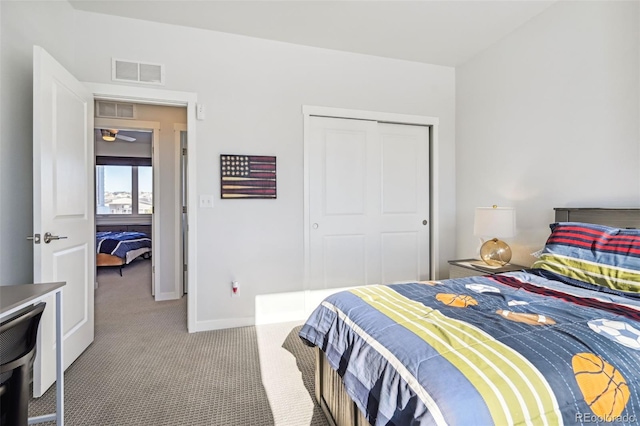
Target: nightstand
(473, 267)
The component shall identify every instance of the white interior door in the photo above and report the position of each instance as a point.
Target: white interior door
(368, 202)
(404, 203)
(343, 202)
(63, 204)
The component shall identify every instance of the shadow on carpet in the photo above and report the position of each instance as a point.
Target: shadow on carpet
(306, 363)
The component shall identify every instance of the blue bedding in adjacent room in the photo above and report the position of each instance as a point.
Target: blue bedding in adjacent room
(119, 243)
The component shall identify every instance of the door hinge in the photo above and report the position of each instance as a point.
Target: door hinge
(184, 151)
(184, 209)
(184, 268)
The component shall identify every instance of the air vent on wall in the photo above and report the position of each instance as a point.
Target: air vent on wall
(137, 72)
(115, 110)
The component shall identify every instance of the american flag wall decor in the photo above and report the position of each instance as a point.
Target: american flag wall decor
(247, 176)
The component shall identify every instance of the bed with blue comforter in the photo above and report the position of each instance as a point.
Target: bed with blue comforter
(555, 344)
(121, 248)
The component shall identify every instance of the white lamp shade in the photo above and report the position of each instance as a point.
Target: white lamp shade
(494, 222)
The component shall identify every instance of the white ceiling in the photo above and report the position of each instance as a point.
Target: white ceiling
(446, 32)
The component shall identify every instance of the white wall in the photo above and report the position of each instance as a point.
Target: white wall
(23, 24)
(254, 91)
(548, 117)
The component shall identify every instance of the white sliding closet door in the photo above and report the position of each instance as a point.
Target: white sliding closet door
(368, 202)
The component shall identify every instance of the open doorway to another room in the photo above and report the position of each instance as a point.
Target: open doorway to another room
(124, 206)
(139, 199)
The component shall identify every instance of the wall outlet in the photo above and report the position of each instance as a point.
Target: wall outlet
(206, 201)
(235, 289)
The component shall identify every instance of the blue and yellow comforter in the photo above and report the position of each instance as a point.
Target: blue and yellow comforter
(509, 349)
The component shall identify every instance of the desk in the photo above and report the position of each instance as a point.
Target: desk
(16, 297)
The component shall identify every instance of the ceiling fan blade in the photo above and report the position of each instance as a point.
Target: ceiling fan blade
(125, 138)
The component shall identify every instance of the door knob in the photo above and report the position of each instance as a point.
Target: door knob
(48, 237)
(424, 222)
(315, 226)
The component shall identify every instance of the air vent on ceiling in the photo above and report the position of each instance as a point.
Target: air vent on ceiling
(115, 110)
(137, 72)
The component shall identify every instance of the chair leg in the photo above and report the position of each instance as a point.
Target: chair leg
(23, 403)
(16, 400)
(4, 402)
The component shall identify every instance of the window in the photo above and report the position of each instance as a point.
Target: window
(124, 189)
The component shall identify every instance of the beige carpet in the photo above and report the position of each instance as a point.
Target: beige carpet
(145, 369)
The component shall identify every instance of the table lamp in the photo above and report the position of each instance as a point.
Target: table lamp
(495, 222)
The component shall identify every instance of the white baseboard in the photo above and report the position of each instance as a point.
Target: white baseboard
(291, 306)
(171, 295)
(298, 315)
(222, 324)
(273, 308)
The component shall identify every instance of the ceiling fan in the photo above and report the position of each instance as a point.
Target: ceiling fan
(111, 135)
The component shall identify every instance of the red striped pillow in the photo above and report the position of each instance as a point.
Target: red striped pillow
(596, 254)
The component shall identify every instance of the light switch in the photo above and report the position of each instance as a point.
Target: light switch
(200, 112)
(206, 201)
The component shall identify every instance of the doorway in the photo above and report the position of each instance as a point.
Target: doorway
(145, 143)
(124, 200)
(159, 97)
(67, 174)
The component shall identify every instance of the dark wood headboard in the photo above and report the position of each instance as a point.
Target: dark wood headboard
(616, 217)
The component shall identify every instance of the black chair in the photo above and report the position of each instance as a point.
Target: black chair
(17, 350)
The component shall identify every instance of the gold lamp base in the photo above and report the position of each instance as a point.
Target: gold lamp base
(495, 252)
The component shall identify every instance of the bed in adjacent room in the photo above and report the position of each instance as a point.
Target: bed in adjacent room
(554, 344)
(121, 248)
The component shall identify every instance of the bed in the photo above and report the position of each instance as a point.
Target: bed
(558, 343)
(121, 248)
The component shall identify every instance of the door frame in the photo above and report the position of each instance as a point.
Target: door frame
(112, 92)
(432, 123)
(181, 278)
(154, 126)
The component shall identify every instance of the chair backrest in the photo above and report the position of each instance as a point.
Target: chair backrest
(18, 335)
